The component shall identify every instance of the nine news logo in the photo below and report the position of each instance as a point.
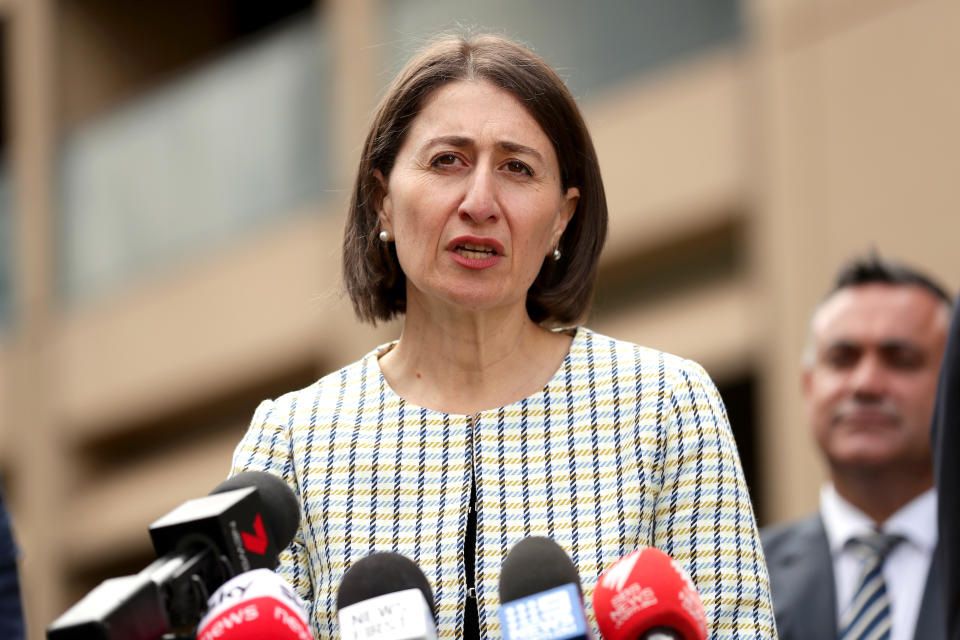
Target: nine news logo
(556, 614)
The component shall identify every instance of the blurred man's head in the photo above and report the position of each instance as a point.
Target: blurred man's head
(871, 369)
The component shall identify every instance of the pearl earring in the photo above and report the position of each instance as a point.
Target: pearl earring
(384, 236)
(556, 255)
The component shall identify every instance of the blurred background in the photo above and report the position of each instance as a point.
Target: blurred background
(174, 176)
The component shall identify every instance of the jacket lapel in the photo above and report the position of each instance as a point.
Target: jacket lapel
(930, 620)
(805, 603)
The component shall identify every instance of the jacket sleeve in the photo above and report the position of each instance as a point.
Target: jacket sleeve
(267, 447)
(704, 518)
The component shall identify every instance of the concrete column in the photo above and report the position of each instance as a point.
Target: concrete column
(783, 94)
(353, 29)
(38, 469)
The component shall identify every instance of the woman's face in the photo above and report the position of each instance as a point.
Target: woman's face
(474, 201)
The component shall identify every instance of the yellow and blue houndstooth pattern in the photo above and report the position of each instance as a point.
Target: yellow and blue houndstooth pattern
(625, 447)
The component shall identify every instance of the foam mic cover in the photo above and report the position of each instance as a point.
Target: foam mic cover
(254, 605)
(281, 509)
(647, 593)
(540, 593)
(386, 596)
(248, 519)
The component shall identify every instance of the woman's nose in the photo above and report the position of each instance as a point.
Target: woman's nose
(479, 201)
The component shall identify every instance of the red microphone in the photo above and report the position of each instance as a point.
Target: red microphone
(646, 595)
(255, 605)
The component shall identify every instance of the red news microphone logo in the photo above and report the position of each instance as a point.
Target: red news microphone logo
(255, 542)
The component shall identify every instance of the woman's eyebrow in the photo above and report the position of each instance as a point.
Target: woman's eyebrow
(453, 141)
(516, 147)
(464, 141)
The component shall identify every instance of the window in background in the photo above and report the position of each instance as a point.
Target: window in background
(7, 254)
(592, 44)
(232, 143)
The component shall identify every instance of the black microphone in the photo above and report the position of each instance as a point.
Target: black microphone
(385, 596)
(242, 525)
(540, 593)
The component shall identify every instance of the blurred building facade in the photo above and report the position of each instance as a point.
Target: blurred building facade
(174, 177)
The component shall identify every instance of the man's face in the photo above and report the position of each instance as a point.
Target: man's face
(870, 389)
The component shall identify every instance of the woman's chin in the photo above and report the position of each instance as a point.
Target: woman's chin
(473, 301)
(466, 296)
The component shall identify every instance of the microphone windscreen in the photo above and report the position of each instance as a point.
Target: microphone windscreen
(281, 509)
(535, 564)
(646, 590)
(254, 605)
(382, 573)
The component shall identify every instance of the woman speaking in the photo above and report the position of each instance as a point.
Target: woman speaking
(479, 215)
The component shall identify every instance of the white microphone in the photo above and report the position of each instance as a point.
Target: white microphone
(385, 596)
(254, 605)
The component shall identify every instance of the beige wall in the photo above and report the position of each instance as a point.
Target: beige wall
(832, 130)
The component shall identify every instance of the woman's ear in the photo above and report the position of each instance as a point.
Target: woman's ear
(383, 205)
(567, 208)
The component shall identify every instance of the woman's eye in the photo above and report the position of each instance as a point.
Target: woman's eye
(444, 159)
(515, 166)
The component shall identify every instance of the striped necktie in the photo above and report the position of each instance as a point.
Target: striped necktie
(868, 615)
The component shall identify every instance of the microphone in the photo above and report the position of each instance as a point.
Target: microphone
(540, 593)
(646, 595)
(241, 525)
(385, 596)
(254, 605)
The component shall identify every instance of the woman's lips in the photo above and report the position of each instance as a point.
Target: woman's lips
(475, 253)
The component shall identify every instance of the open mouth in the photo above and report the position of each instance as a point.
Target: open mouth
(475, 251)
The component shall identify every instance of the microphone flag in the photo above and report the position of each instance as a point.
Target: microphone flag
(256, 604)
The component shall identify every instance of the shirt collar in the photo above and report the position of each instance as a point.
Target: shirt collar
(916, 521)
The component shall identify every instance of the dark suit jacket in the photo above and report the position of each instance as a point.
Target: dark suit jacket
(11, 615)
(803, 588)
(946, 438)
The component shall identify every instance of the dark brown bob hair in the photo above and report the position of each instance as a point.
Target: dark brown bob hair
(563, 289)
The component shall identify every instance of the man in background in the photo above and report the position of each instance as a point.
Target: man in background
(861, 567)
(11, 615)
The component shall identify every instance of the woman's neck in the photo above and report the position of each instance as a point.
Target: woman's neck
(466, 362)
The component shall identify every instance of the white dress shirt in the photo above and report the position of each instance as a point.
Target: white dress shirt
(905, 568)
